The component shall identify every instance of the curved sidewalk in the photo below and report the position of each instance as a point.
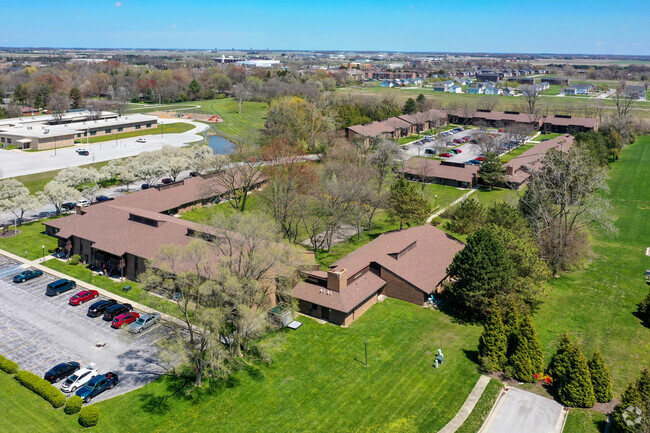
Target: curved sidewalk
(468, 406)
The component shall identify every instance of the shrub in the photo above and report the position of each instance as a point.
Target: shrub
(74, 259)
(89, 416)
(8, 366)
(41, 387)
(644, 310)
(493, 342)
(571, 376)
(73, 405)
(600, 378)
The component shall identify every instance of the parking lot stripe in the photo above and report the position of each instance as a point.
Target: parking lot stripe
(35, 353)
(31, 343)
(47, 361)
(9, 341)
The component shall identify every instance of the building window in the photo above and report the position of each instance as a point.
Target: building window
(148, 125)
(120, 129)
(78, 135)
(93, 132)
(108, 131)
(8, 140)
(137, 126)
(2, 139)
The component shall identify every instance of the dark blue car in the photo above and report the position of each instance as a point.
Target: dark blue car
(97, 385)
(27, 275)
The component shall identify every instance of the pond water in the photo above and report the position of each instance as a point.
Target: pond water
(221, 145)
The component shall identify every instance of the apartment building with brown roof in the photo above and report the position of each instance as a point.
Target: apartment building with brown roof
(519, 169)
(448, 173)
(408, 264)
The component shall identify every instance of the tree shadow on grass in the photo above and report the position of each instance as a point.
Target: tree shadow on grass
(640, 317)
(254, 372)
(601, 425)
(472, 355)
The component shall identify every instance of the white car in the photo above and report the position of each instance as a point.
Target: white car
(79, 378)
(141, 140)
(83, 202)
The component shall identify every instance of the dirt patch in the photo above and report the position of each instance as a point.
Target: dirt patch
(9, 233)
(211, 118)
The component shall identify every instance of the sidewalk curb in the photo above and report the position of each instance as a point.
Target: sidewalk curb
(37, 264)
(468, 406)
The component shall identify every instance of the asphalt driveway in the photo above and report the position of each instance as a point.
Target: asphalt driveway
(38, 332)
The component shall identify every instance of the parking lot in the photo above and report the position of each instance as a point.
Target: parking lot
(38, 332)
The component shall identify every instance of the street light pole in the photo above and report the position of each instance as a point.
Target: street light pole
(43, 258)
(435, 201)
(365, 344)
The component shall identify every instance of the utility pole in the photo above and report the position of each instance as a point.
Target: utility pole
(365, 344)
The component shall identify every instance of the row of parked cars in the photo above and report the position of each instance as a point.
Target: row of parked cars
(110, 310)
(85, 382)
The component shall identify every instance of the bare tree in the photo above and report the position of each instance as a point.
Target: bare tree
(94, 108)
(383, 160)
(530, 95)
(624, 103)
(488, 102)
(241, 94)
(58, 104)
(121, 101)
(467, 112)
(239, 181)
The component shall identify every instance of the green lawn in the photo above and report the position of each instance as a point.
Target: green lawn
(597, 304)
(585, 421)
(445, 195)
(554, 89)
(516, 152)
(318, 381)
(23, 411)
(409, 139)
(202, 214)
(482, 409)
(29, 242)
(169, 128)
(548, 136)
(35, 182)
(497, 194)
(136, 293)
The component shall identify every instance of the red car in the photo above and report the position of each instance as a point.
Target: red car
(83, 296)
(501, 129)
(480, 158)
(445, 155)
(458, 141)
(465, 139)
(124, 319)
(166, 180)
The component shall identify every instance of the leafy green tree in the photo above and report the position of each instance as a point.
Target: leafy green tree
(601, 380)
(511, 325)
(527, 358)
(466, 217)
(571, 377)
(505, 215)
(493, 342)
(76, 98)
(492, 172)
(410, 106)
(21, 94)
(483, 272)
(195, 88)
(594, 143)
(405, 204)
(632, 414)
(643, 310)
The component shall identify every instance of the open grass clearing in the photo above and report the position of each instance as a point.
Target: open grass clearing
(585, 421)
(163, 128)
(489, 197)
(30, 241)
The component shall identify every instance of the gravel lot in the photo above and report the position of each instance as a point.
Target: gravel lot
(38, 332)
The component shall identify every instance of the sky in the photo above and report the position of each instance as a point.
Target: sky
(498, 26)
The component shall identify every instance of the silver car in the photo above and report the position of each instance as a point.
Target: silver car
(143, 322)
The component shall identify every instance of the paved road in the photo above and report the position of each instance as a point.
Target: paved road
(524, 412)
(17, 163)
(39, 332)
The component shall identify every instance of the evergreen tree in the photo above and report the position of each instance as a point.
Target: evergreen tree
(405, 204)
(421, 101)
(410, 106)
(571, 377)
(194, 88)
(483, 272)
(527, 358)
(492, 172)
(510, 325)
(600, 378)
(493, 342)
(644, 310)
(76, 98)
(632, 414)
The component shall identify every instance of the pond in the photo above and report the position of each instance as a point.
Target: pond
(221, 145)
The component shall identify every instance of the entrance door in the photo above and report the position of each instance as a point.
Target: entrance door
(325, 313)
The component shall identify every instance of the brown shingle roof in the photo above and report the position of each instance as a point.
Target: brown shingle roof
(351, 297)
(380, 127)
(587, 122)
(519, 169)
(430, 168)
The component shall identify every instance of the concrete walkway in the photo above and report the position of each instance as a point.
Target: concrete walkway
(468, 406)
(37, 264)
(458, 200)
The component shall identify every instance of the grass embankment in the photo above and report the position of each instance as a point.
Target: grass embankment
(137, 293)
(482, 409)
(30, 241)
(168, 128)
(585, 421)
(597, 303)
(516, 152)
(549, 136)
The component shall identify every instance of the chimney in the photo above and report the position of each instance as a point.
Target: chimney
(337, 279)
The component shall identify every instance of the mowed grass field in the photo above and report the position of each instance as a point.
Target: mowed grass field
(597, 304)
(168, 128)
(317, 382)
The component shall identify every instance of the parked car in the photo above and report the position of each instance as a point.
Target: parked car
(145, 321)
(83, 152)
(83, 202)
(445, 155)
(124, 319)
(166, 180)
(27, 275)
(501, 130)
(145, 186)
(98, 308)
(103, 198)
(68, 206)
(457, 151)
(97, 385)
(458, 141)
(473, 141)
(59, 286)
(79, 378)
(473, 162)
(83, 296)
(429, 152)
(141, 140)
(60, 371)
(460, 128)
(465, 139)
(480, 158)
(115, 310)
(194, 173)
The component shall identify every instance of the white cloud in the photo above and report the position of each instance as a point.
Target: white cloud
(118, 4)
(173, 26)
(636, 44)
(623, 27)
(599, 44)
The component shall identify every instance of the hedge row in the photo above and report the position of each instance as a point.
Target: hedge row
(8, 366)
(41, 387)
(89, 416)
